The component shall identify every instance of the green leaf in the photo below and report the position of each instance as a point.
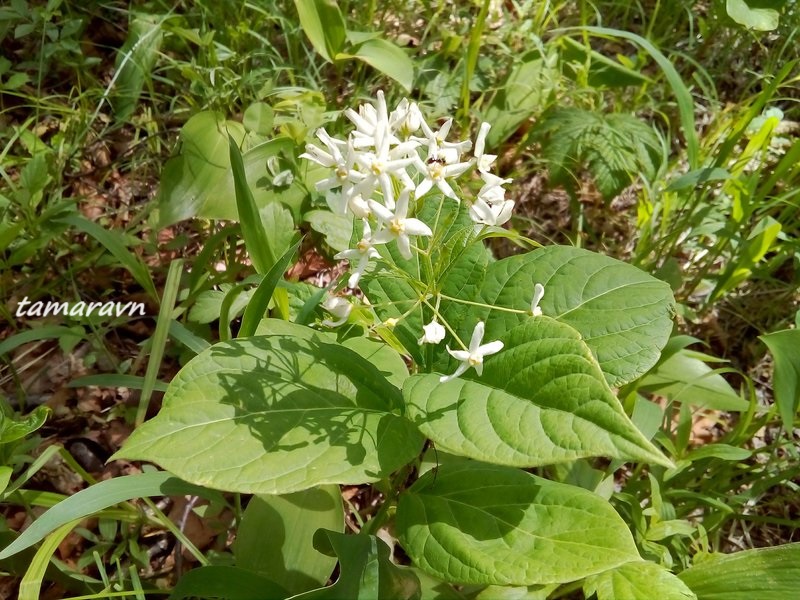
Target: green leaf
(231, 583)
(763, 573)
(114, 241)
(255, 237)
(387, 58)
(683, 97)
(602, 70)
(135, 61)
(257, 307)
(367, 572)
(638, 581)
(31, 584)
(783, 345)
(12, 430)
(336, 228)
(199, 180)
(453, 257)
(299, 409)
(760, 19)
(101, 496)
(524, 95)
(289, 522)
(477, 523)
(614, 148)
(685, 377)
(623, 314)
(323, 23)
(258, 117)
(541, 400)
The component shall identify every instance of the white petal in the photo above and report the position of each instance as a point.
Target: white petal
(477, 337)
(461, 355)
(416, 227)
(480, 212)
(423, 188)
(480, 142)
(404, 246)
(538, 294)
(490, 348)
(446, 189)
(460, 370)
(383, 213)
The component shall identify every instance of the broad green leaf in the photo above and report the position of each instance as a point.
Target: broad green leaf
(685, 377)
(367, 572)
(135, 61)
(524, 95)
(323, 23)
(258, 117)
(763, 573)
(199, 181)
(230, 583)
(101, 496)
(337, 229)
(278, 226)
(528, 592)
(13, 429)
(478, 523)
(453, 257)
(299, 409)
(541, 400)
(784, 345)
(760, 19)
(638, 581)
(289, 522)
(623, 314)
(387, 58)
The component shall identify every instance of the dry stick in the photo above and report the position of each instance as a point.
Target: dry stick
(181, 526)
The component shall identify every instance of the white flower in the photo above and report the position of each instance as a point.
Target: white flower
(360, 255)
(474, 356)
(491, 206)
(433, 333)
(338, 307)
(435, 172)
(493, 191)
(397, 226)
(538, 293)
(491, 214)
(438, 148)
(484, 160)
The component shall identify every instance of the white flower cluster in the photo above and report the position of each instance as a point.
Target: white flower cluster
(384, 163)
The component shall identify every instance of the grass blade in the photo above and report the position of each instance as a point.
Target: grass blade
(101, 496)
(257, 307)
(31, 583)
(255, 237)
(159, 339)
(112, 241)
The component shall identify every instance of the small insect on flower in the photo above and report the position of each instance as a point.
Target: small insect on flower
(473, 357)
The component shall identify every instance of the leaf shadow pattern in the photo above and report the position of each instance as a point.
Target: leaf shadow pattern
(317, 404)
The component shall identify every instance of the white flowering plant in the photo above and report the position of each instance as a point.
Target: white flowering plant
(440, 375)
